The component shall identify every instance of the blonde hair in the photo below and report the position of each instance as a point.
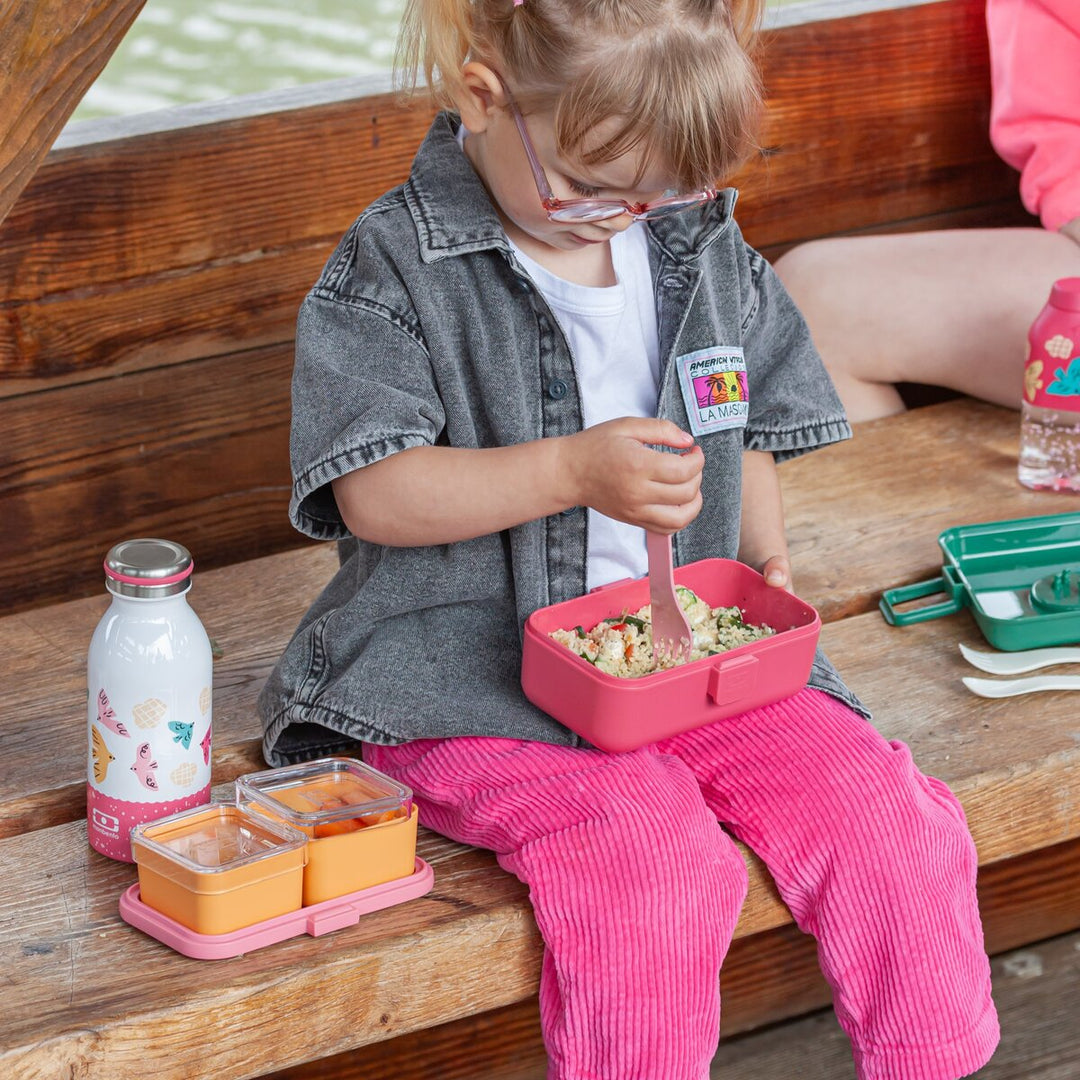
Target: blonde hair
(674, 75)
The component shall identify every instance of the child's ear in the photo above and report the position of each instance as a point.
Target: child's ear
(480, 97)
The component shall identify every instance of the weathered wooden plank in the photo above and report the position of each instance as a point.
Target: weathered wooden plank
(68, 957)
(198, 452)
(1003, 213)
(865, 515)
(50, 52)
(874, 119)
(185, 243)
(766, 978)
(863, 129)
(68, 963)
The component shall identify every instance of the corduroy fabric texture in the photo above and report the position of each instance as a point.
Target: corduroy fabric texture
(637, 888)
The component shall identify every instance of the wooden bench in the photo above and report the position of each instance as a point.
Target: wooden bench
(150, 272)
(88, 993)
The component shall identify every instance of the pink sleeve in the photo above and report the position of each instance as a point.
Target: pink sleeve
(1035, 116)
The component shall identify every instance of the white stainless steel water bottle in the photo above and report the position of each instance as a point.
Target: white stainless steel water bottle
(149, 678)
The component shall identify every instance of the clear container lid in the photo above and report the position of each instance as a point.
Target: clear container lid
(322, 791)
(215, 838)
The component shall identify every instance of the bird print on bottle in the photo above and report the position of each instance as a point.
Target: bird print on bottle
(107, 717)
(102, 757)
(181, 732)
(144, 767)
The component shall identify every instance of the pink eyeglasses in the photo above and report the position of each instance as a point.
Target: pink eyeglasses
(596, 209)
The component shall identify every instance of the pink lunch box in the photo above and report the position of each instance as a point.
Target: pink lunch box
(622, 714)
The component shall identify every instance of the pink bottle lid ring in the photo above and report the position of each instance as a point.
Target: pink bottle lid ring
(148, 567)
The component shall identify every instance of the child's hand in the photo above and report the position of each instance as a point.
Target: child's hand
(612, 468)
(777, 572)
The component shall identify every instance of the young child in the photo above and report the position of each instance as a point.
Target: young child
(493, 397)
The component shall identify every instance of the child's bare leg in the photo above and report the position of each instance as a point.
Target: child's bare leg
(947, 308)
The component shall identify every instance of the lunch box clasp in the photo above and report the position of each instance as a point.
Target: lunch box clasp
(947, 583)
(732, 679)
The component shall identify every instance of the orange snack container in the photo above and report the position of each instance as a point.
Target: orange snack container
(360, 824)
(217, 868)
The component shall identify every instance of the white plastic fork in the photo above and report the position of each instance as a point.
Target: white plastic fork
(1014, 663)
(670, 628)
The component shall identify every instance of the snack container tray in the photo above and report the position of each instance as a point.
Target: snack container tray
(618, 714)
(1009, 575)
(315, 920)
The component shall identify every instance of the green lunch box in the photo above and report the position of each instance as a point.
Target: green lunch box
(1021, 580)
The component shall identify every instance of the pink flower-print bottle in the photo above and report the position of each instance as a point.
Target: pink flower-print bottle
(1050, 423)
(149, 679)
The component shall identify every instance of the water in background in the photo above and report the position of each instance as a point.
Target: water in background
(183, 51)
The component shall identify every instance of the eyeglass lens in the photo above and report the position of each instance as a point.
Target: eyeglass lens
(602, 211)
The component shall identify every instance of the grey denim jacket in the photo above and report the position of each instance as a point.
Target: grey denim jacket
(424, 330)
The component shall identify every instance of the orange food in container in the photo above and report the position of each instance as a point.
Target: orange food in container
(217, 868)
(360, 824)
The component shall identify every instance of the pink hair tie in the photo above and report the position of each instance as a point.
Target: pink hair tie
(518, 3)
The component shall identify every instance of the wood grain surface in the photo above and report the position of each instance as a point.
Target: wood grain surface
(865, 515)
(50, 52)
(197, 452)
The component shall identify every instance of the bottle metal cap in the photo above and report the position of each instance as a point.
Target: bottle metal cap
(148, 567)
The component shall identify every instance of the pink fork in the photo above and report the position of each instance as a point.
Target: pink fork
(670, 628)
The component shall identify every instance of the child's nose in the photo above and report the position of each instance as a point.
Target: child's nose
(618, 224)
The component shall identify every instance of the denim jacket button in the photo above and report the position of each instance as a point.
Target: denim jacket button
(568, 511)
(526, 285)
(557, 389)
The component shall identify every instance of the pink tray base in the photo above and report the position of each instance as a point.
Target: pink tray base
(317, 919)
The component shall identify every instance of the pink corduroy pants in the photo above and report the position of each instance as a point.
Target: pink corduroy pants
(636, 887)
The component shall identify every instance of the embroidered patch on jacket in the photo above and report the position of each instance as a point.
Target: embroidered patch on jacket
(713, 384)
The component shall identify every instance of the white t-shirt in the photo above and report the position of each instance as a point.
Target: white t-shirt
(615, 346)
(616, 352)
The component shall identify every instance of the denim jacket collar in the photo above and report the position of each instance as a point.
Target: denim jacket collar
(454, 215)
